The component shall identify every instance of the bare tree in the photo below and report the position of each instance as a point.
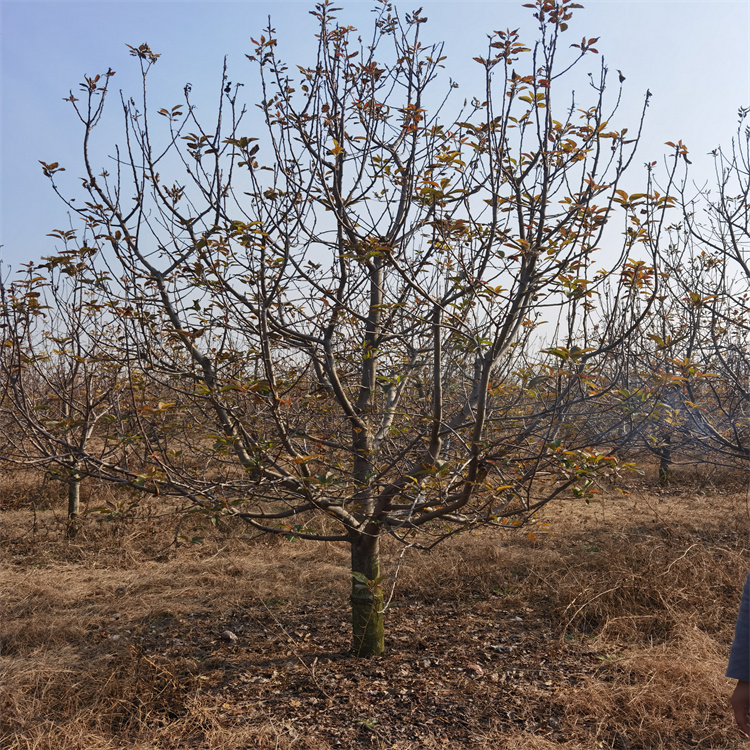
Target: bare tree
(708, 265)
(60, 391)
(341, 301)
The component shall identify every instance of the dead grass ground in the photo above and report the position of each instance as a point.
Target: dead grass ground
(611, 630)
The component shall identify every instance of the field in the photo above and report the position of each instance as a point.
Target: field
(609, 628)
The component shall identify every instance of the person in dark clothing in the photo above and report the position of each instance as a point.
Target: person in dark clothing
(739, 662)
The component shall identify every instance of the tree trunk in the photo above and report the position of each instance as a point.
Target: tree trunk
(74, 503)
(367, 597)
(665, 462)
(74, 496)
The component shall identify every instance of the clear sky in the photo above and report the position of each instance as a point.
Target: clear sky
(693, 56)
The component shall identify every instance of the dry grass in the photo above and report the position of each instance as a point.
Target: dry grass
(609, 631)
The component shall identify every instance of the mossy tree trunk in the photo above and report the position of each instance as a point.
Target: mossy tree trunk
(367, 597)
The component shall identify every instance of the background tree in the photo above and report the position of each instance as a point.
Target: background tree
(707, 264)
(61, 386)
(343, 305)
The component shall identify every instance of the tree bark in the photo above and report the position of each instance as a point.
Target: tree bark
(367, 597)
(74, 496)
(665, 462)
(74, 503)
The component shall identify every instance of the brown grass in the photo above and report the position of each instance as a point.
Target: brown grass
(610, 629)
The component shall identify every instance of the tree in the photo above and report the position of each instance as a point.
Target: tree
(342, 304)
(710, 278)
(61, 393)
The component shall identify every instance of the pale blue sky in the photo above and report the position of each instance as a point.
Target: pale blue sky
(693, 56)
